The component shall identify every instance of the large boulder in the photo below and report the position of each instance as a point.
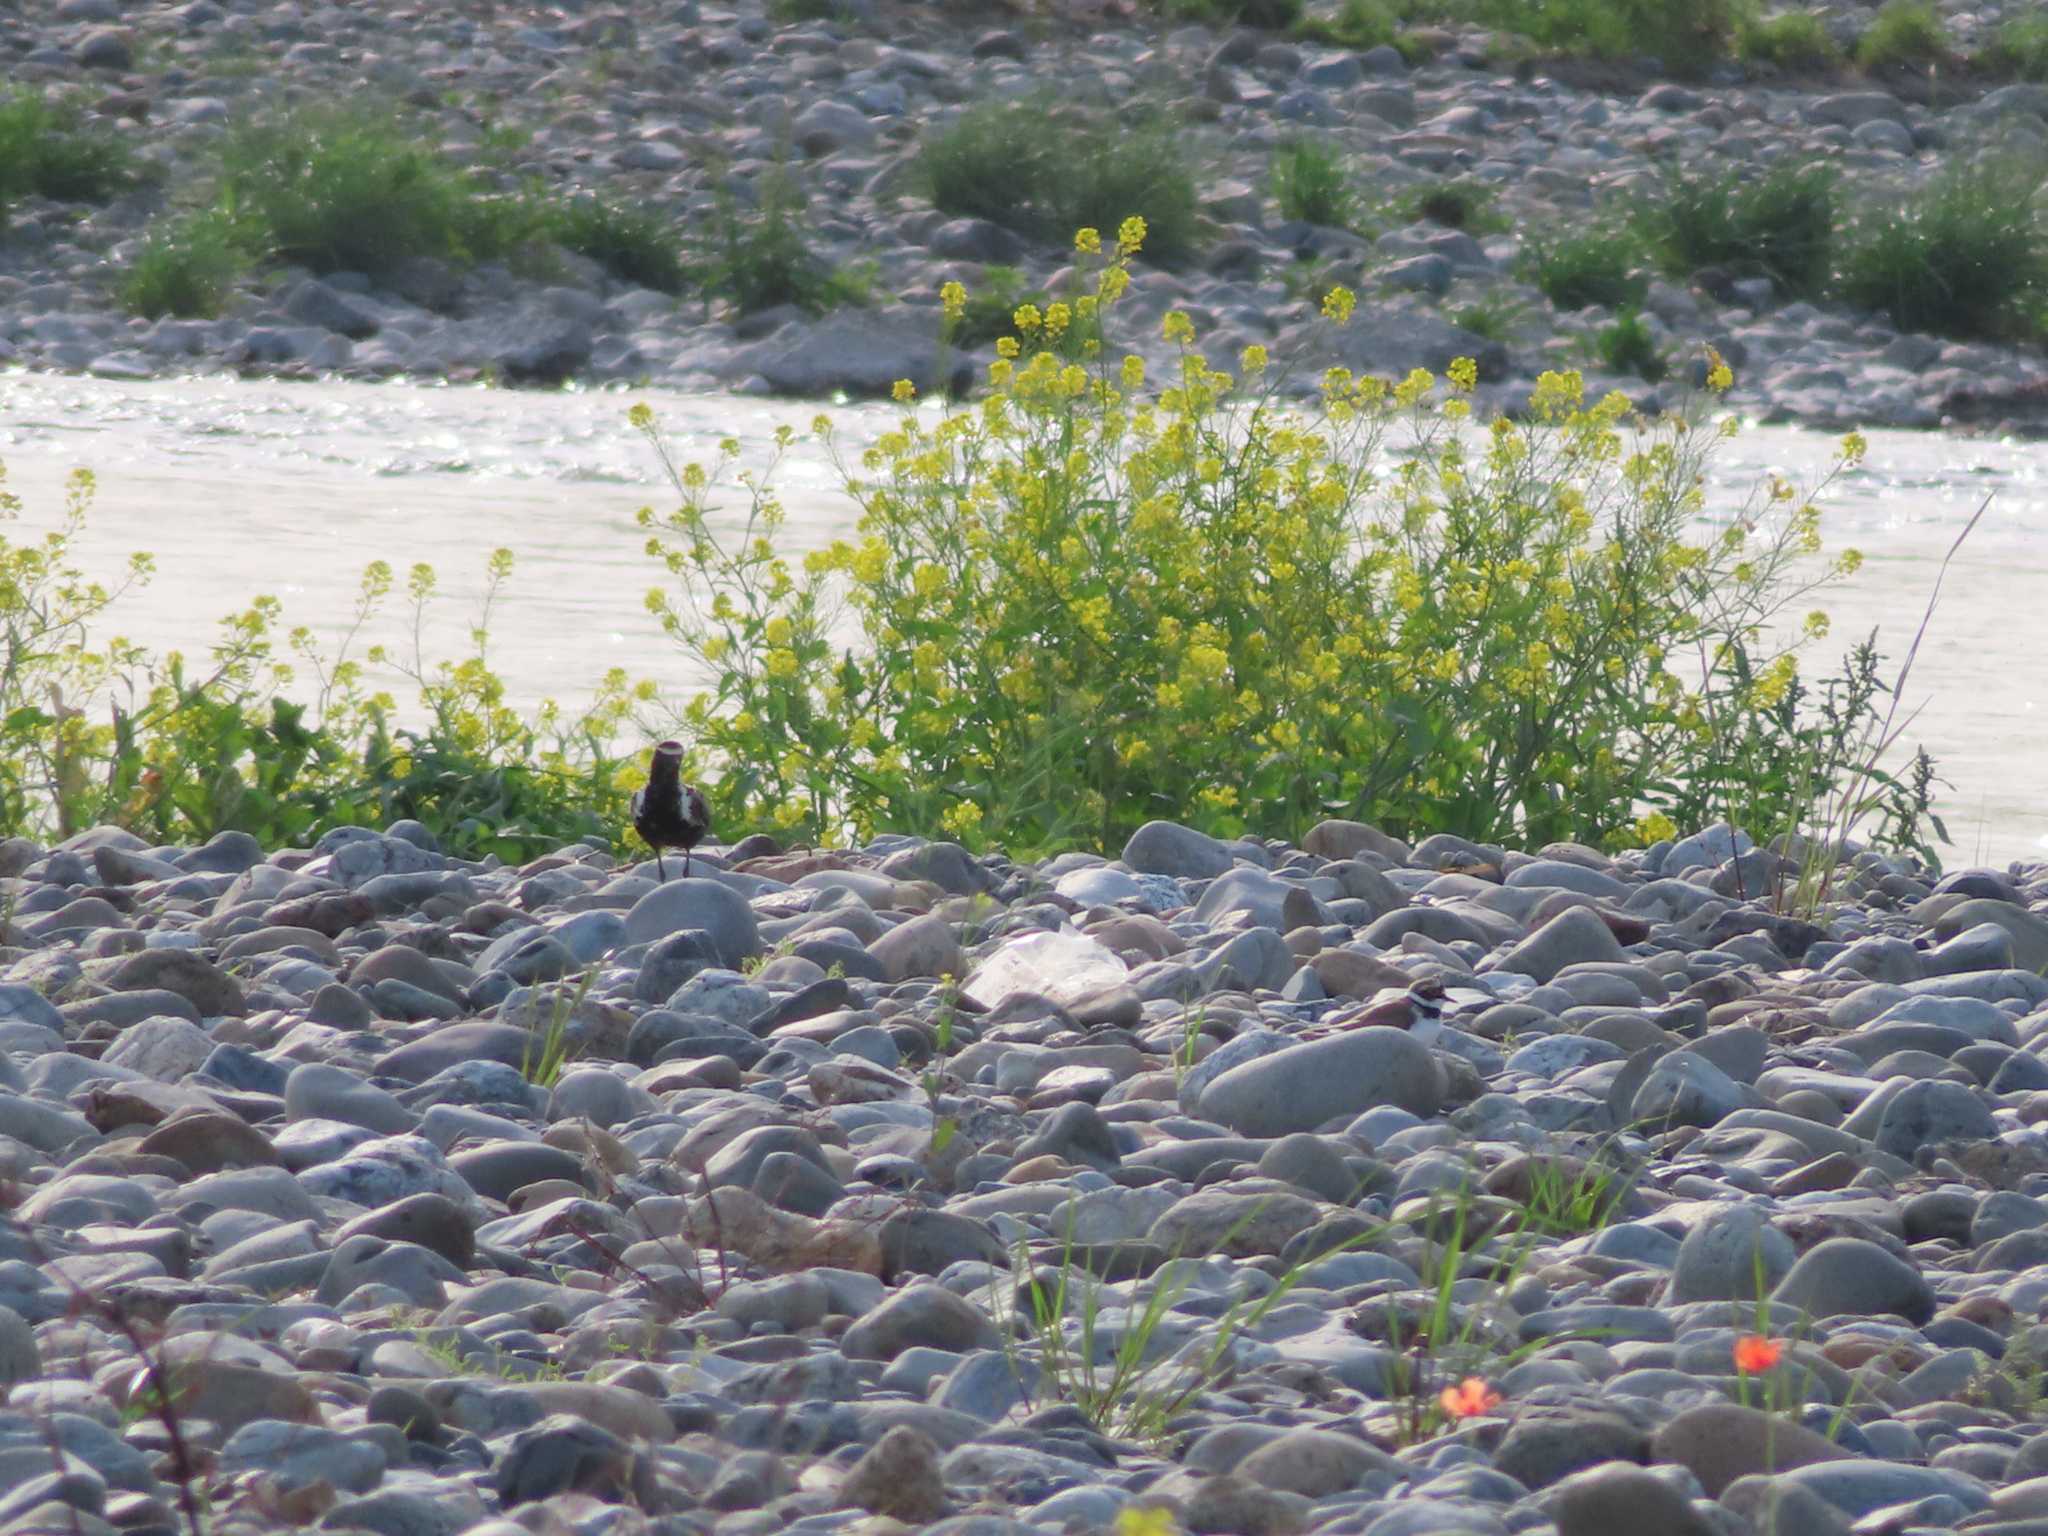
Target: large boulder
(1308, 1085)
(860, 352)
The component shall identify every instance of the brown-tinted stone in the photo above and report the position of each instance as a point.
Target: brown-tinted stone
(1719, 1442)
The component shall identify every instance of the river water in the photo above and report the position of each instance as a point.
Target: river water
(245, 487)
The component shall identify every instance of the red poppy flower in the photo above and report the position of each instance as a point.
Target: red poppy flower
(1468, 1398)
(1755, 1354)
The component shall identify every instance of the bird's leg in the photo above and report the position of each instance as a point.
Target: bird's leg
(660, 869)
(686, 863)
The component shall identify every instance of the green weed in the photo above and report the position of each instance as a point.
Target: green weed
(1191, 1028)
(1046, 170)
(1597, 269)
(1493, 316)
(1454, 204)
(1029, 568)
(352, 190)
(944, 1126)
(1626, 346)
(794, 12)
(1569, 1197)
(186, 269)
(1779, 223)
(1906, 36)
(1446, 1347)
(633, 244)
(1795, 41)
(760, 257)
(47, 149)
(1100, 1347)
(1686, 36)
(1310, 184)
(548, 1048)
(1963, 257)
(2020, 47)
(1267, 15)
(1358, 24)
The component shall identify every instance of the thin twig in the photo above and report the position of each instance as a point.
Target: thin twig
(1855, 807)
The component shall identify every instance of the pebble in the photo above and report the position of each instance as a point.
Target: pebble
(780, 1280)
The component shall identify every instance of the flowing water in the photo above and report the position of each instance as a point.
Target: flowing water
(240, 488)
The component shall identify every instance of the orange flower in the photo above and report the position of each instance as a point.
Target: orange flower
(1468, 1398)
(1755, 1354)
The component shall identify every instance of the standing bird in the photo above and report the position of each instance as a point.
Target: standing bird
(669, 813)
(1419, 1009)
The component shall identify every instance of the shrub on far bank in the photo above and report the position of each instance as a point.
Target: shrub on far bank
(1686, 36)
(1965, 257)
(1045, 170)
(794, 12)
(1357, 24)
(1266, 15)
(1905, 37)
(760, 257)
(345, 190)
(1626, 346)
(47, 149)
(1795, 41)
(1363, 24)
(1493, 316)
(1600, 268)
(2020, 47)
(185, 269)
(1777, 223)
(634, 245)
(338, 190)
(1454, 203)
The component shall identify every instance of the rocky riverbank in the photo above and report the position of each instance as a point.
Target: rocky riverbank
(362, 1187)
(668, 108)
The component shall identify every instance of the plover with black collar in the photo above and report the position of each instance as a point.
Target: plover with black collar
(669, 813)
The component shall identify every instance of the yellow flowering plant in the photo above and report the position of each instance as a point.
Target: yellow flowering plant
(99, 731)
(1080, 601)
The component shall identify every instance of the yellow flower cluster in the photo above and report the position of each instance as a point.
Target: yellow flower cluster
(1083, 598)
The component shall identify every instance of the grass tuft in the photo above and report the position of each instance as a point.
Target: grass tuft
(1105, 1348)
(185, 269)
(2020, 47)
(1795, 41)
(1778, 224)
(1266, 15)
(1310, 185)
(48, 150)
(548, 1049)
(794, 12)
(1598, 269)
(1686, 36)
(1905, 37)
(1494, 315)
(759, 258)
(1359, 24)
(344, 190)
(1626, 346)
(632, 244)
(1965, 257)
(1046, 171)
(1457, 204)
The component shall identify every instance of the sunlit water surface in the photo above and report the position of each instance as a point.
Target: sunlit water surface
(240, 488)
